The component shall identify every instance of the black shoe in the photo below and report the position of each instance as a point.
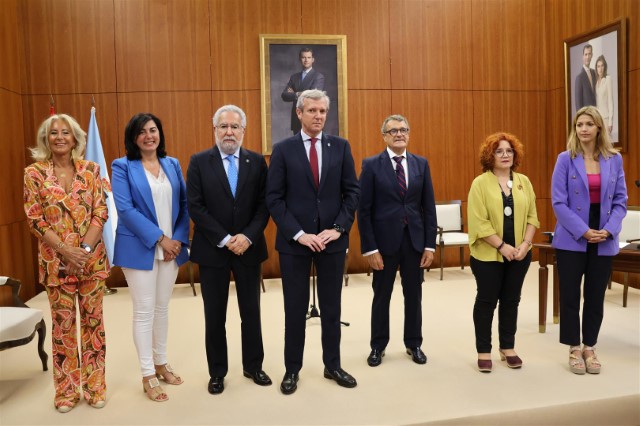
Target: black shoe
(417, 355)
(341, 377)
(216, 385)
(375, 358)
(259, 377)
(289, 383)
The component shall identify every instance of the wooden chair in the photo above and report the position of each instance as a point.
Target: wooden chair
(450, 230)
(19, 323)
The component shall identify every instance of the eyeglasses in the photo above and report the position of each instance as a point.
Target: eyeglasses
(504, 153)
(401, 130)
(224, 127)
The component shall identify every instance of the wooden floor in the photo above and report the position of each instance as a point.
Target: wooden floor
(447, 390)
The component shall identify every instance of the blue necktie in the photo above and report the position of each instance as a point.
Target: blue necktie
(232, 174)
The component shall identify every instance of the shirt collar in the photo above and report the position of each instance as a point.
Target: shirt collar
(306, 137)
(235, 154)
(393, 154)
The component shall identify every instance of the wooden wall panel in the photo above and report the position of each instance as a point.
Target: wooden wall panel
(423, 39)
(235, 27)
(435, 118)
(11, 46)
(162, 45)
(185, 119)
(249, 101)
(17, 259)
(69, 46)
(632, 158)
(12, 160)
(509, 49)
(366, 25)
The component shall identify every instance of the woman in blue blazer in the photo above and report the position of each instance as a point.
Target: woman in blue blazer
(589, 197)
(151, 241)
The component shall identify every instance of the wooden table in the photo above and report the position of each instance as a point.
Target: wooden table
(627, 260)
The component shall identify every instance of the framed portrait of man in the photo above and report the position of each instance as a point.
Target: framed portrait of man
(596, 75)
(291, 64)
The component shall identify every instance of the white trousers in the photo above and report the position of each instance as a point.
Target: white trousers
(150, 295)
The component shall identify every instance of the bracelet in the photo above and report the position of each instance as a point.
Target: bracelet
(160, 239)
(60, 245)
(528, 242)
(500, 246)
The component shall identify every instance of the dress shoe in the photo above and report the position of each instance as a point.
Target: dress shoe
(289, 383)
(417, 355)
(259, 377)
(375, 358)
(341, 377)
(216, 385)
(485, 365)
(513, 361)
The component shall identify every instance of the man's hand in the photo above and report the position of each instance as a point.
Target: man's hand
(426, 259)
(238, 244)
(313, 241)
(329, 235)
(375, 261)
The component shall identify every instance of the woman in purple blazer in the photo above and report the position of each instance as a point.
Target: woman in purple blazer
(589, 199)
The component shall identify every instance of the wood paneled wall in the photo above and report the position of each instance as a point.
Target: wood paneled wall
(458, 69)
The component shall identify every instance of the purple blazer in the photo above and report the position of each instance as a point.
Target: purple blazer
(570, 198)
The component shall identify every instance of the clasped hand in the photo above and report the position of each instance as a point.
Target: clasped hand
(510, 252)
(170, 248)
(238, 244)
(595, 236)
(319, 242)
(76, 258)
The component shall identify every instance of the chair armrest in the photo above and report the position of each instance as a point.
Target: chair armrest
(633, 241)
(15, 289)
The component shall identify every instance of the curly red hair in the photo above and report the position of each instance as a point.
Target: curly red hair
(490, 144)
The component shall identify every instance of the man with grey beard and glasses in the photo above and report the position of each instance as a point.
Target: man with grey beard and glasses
(226, 201)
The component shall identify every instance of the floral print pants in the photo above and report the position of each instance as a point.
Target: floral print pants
(72, 370)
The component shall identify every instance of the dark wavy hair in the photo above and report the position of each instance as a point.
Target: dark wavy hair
(131, 132)
(490, 144)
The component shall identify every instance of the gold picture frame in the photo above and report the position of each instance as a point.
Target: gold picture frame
(608, 42)
(280, 63)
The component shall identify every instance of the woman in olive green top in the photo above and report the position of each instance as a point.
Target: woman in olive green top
(502, 218)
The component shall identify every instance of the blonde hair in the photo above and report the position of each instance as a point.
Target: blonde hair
(42, 152)
(603, 147)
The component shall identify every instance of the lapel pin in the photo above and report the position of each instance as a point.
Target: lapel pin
(328, 144)
(246, 160)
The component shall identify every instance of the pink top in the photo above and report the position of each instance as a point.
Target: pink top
(594, 187)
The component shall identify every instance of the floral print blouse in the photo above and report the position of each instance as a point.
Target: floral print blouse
(69, 215)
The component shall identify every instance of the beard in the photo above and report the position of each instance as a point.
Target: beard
(228, 144)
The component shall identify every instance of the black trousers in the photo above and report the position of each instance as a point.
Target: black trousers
(408, 259)
(215, 295)
(572, 266)
(498, 282)
(295, 271)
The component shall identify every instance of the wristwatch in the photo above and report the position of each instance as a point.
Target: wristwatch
(339, 228)
(86, 247)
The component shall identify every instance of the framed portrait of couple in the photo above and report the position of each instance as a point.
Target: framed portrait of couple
(291, 64)
(596, 74)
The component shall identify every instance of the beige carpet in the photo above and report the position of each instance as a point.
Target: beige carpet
(447, 390)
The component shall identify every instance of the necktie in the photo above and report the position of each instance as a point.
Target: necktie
(590, 79)
(304, 74)
(313, 161)
(232, 174)
(402, 181)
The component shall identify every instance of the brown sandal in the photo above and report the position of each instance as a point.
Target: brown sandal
(167, 375)
(593, 365)
(153, 390)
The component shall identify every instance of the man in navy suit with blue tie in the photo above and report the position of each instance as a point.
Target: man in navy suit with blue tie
(397, 223)
(306, 79)
(312, 195)
(225, 196)
(585, 85)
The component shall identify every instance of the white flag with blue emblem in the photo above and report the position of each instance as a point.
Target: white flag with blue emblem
(95, 154)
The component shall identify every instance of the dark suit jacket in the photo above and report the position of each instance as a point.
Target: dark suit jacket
(138, 230)
(216, 214)
(585, 93)
(294, 202)
(313, 80)
(381, 211)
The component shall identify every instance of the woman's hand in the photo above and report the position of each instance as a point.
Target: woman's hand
(509, 252)
(171, 248)
(75, 257)
(593, 236)
(522, 250)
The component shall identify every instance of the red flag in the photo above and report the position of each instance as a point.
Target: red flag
(52, 108)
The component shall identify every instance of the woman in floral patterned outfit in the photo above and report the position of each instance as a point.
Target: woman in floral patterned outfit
(66, 209)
